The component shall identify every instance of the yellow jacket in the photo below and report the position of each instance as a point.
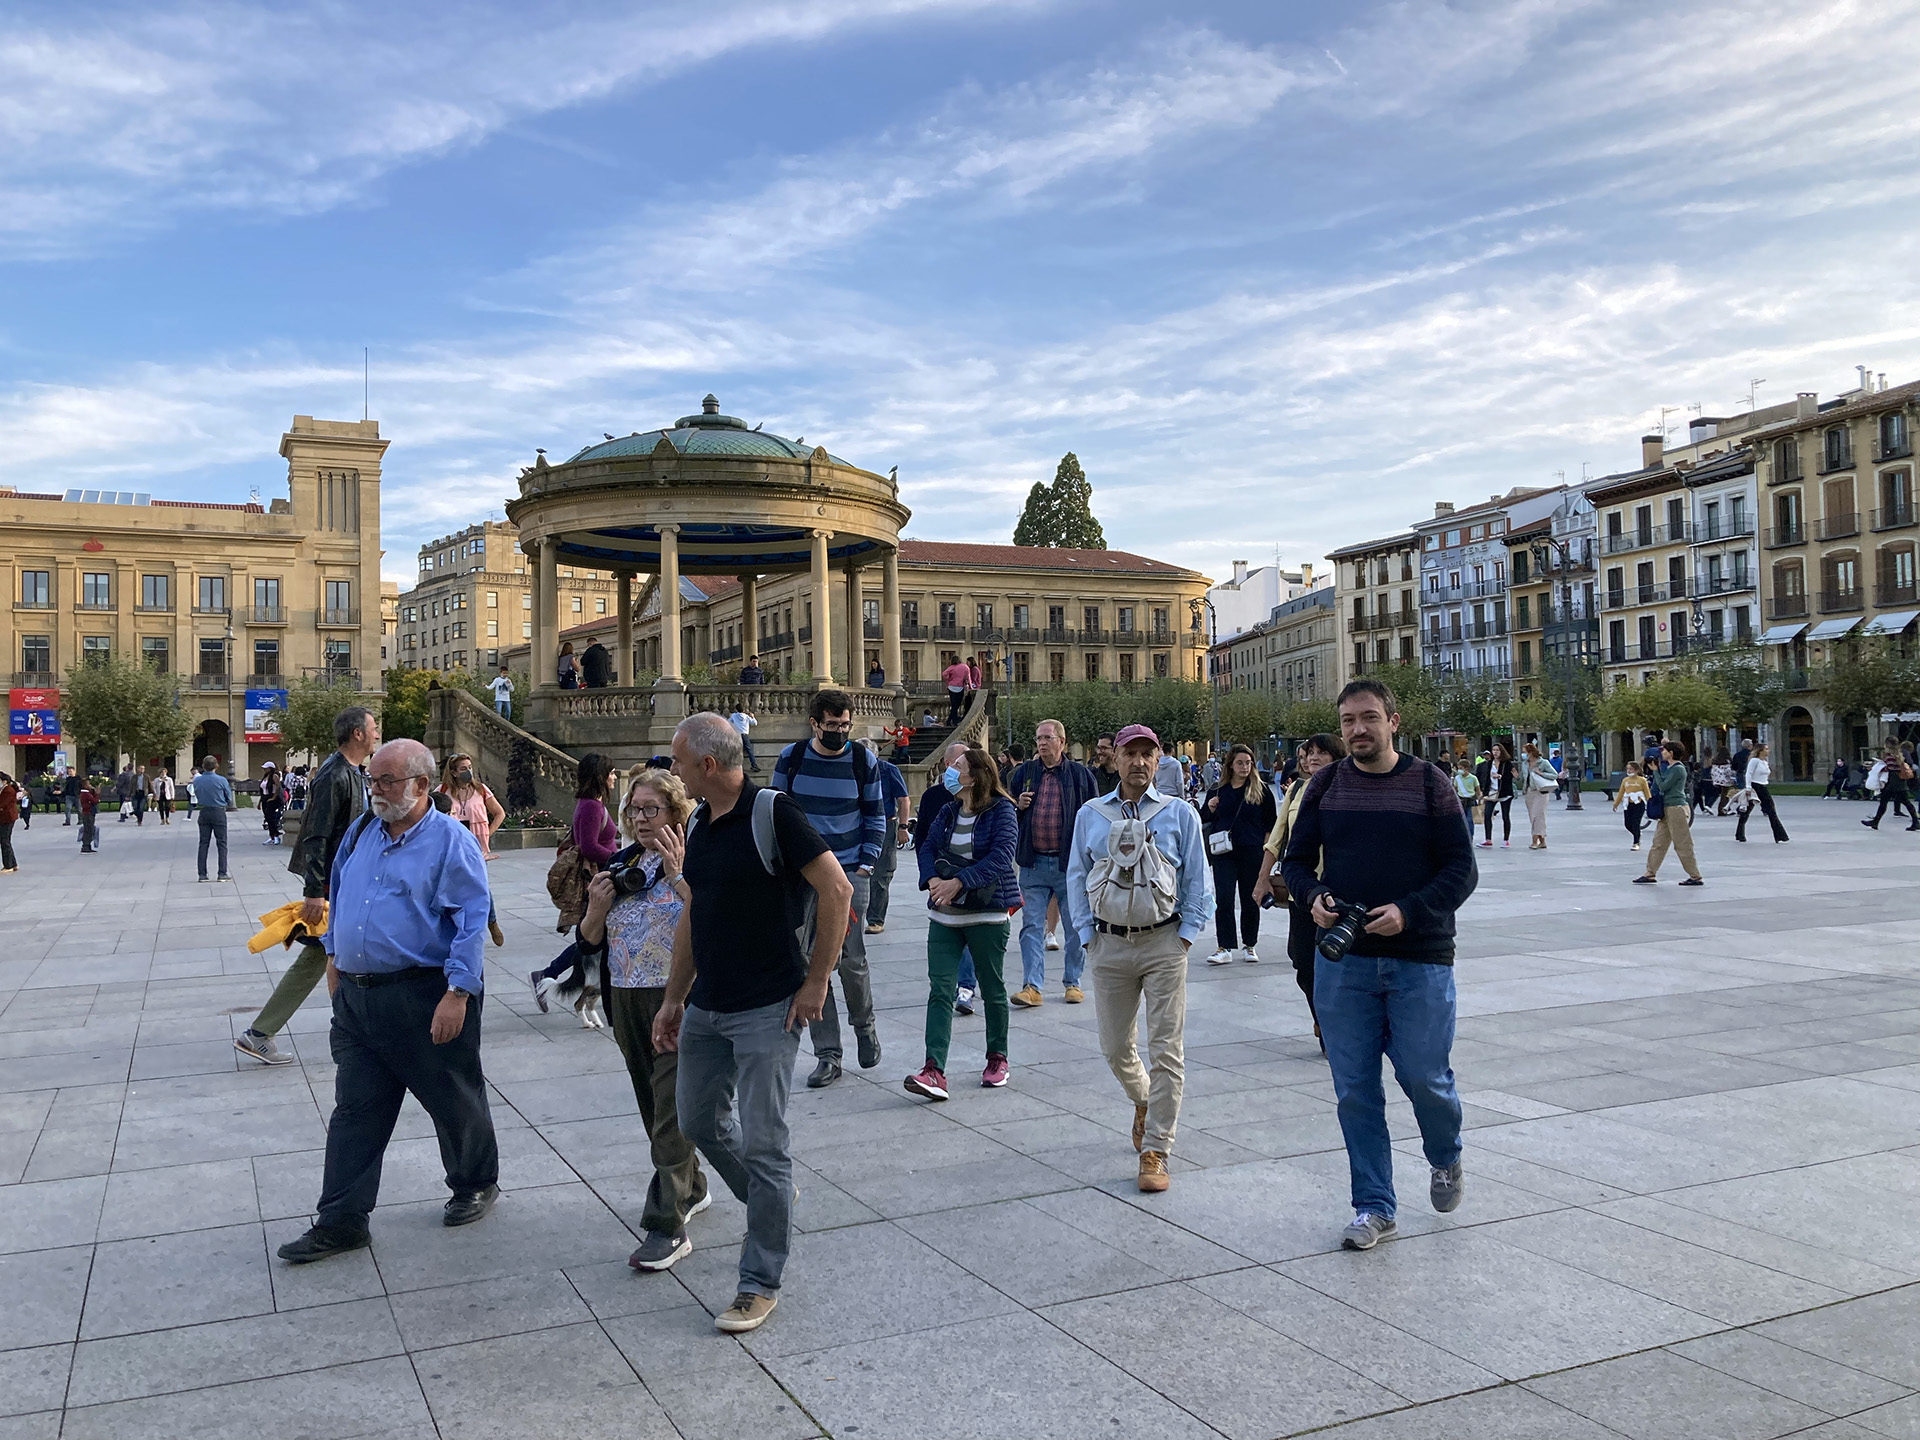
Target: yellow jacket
(284, 926)
(1632, 787)
(1276, 845)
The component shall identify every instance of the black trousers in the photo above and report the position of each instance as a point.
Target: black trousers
(1765, 797)
(1506, 816)
(7, 861)
(1636, 816)
(1302, 933)
(1898, 800)
(383, 1050)
(1236, 873)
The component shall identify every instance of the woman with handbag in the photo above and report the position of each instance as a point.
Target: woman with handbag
(1237, 816)
(1496, 776)
(1540, 780)
(967, 869)
(1672, 817)
(1317, 753)
(1759, 792)
(1897, 775)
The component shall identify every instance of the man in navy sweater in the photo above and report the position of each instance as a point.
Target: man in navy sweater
(1384, 830)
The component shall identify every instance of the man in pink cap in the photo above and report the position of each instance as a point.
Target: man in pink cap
(1137, 894)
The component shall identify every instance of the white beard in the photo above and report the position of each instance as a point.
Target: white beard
(391, 812)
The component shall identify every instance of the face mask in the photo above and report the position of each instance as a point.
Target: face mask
(463, 776)
(951, 779)
(832, 741)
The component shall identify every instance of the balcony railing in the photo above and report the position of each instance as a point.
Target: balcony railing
(870, 630)
(97, 606)
(985, 634)
(166, 609)
(264, 615)
(1712, 531)
(1483, 630)
(1898, 450)
(202, 680)
(1733, 584)
(1781, 536)
(783, 640)
(1796, 680)
(1836, 527)
(21, 604)
(1785, 474)
(211, 610)
(1892, 592)
(1632, 595)
(1787, 607)
(1833, 463)
(909, 632)
(34, 680)
(266, 680)
(1894, 517)
(1476, 590)
(723, 654)
(1644, 539)
(349, 617)
(1838, 602)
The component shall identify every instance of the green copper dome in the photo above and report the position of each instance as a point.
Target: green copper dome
(708, 433)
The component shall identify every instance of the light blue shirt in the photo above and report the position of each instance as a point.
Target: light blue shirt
(1175, 830)
(211, 790)
(420, 900)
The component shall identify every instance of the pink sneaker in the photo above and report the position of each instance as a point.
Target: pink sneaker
(930, 1082)
(995, 1075)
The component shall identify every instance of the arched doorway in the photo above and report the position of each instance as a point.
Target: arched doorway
(212, 738)
(1799, 744)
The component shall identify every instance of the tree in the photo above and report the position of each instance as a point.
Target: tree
(403, 715)
(116, 703)
(1536, 715)
(312, 705)
(1684, 702)
(1061, 514)
(1246, 718)
(1756, 693)
(1417, 698)
(1877, 683)
(1300, 718)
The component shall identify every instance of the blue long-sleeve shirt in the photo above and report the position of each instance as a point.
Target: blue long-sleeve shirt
(1175, 830)
(211, 790)
(420, 900)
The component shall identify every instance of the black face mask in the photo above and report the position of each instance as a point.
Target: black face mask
(832, 741)
(463, 777)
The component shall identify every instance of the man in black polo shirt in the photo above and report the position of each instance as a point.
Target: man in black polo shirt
(741, 991)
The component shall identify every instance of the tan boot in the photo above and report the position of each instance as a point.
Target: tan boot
(1139, 1126)
(1027, 997)
(1153, 1171)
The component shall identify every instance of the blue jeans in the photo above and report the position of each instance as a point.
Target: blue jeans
(1403, 1009)
(1045, 878)
(503, 706)
(213, 827)
(731, 1094)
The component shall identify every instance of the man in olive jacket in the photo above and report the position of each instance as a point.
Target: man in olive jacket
(335, 799)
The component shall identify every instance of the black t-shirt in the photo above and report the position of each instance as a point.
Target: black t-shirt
(745, 951)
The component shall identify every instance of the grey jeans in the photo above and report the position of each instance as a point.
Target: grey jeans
(852, 970)
(731, 1092)
(878, 891)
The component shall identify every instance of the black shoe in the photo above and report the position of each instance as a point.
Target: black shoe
(869, 1048)
(659, 1252)
(1871, 824)
(1691, 880)
(1645, 880)
(321, 1241)
(470, 1205)
(824, 1074)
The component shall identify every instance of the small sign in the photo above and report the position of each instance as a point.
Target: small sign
(33, 716)
(265, 708)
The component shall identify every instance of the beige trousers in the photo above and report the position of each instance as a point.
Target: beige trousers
(1673, 828)
(1123, 970)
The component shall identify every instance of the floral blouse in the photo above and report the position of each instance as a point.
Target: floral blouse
(640, 936)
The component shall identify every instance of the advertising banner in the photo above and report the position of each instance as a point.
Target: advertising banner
(265, 708)
(33, 716)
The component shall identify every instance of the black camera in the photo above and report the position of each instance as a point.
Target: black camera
(1344, 930)
(629, 877)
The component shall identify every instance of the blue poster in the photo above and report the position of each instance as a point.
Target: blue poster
(33, 726)
(264, 711)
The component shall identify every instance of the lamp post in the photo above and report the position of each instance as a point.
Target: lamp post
(232, 753)
(1213, 638)
(1575, 764)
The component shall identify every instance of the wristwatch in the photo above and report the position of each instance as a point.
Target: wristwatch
(456, 990)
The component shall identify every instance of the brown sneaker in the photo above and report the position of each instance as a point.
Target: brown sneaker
(1075, 995)
(750, 1312)
(1153, 1171)
(1139, 1126)
(494, 930)
(1026, 997)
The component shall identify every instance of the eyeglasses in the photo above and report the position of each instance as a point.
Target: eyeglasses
(646, 812)
(389, 782)
(845, 727)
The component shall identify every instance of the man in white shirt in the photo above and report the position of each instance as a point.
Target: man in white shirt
(742, 720)
(502, 687)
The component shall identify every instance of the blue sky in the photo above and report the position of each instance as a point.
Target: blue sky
(1281, 274)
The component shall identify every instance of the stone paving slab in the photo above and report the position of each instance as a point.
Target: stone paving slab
(1693, 1143)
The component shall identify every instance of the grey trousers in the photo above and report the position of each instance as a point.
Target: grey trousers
(852, 970)
(883, 877)
(731, 1092)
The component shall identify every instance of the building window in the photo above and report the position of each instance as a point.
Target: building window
(154, 653)
(1893, 435)
(266, 659)
(909, 613)
(526, 602)
(983, 616)
(1123, 621)
(493, 599)
(526, 629)
(36, 654)
(1161, 663)
(493, 629)
(578, 605)
(96, 591)
(212, 594)
(338, 656)
(599, 604)
(154, 593)
(36, 589)
(213, 657)
(1057, 667)
(1837, 448)
(1020, 616)
(1093, 664)
(266, 594)
(1786, 460)
(1022, 667)
(1126, 667)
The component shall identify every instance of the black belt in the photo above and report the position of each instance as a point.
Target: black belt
(374, 980)
(1123, 930)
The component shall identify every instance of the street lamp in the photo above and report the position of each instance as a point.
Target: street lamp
(1213, 639)
(232, 754)
(1574, 764)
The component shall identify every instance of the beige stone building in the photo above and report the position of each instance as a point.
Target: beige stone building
(1294, 654)
(229, 597)
(1377, 597)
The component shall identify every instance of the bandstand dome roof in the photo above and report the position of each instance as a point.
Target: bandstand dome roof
(708, 433)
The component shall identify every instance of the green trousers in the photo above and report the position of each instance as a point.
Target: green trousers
(945, 945)
(307, 970)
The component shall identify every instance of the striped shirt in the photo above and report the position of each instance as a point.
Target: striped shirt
(961, 845)
(850, 817)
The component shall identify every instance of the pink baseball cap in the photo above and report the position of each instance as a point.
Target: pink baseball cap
(1132, 733)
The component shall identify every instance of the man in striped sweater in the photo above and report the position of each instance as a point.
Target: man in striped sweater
(838, 786)
(1384, 830)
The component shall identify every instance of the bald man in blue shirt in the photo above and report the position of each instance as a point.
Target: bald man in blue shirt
(405, 925)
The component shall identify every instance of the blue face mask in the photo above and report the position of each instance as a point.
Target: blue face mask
(951, 779)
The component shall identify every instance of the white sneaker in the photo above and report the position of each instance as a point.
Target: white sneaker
(1249, 954)
(1054, 941)
(1223, 957)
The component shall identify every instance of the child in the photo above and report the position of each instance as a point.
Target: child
(89, 805)
(1633, 790)
(1467, 786)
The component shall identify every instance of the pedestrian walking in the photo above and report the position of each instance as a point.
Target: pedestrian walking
(1379, 855)
(634, 909)
(1672, 817)
(837, 787)
(123, 788)
(1497, 775)
(935, 798)
(471, 803)
(273, 800)
(1047, 792)
(742, 720)
(88, 798)
(1310, 758)
(1758, 792)
(1137, 893)
(140, 784)
(1634, 795)
(1726, 784)
(212, 794)
(1540, 780)
(403, 945)
(895, 797)
(967, 869)
(741, 988)
(1237, 816)
(163, 788)
(502, 687)
(1466, 785)
(70, 797)
(1896, 778)
(336, 799)
(10, 794)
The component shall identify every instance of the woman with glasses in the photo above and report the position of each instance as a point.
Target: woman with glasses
(633, 908)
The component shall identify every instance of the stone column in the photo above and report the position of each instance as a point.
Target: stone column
(625, 600)
(890, 619)
(822, 612)
(669, 605)
(546, 615)
(856, 631)
(749, 617)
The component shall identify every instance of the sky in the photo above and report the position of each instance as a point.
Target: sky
(1281, 274)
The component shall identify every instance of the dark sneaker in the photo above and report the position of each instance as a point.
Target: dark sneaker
(1367, 1231)
(539, 996)
(869, 1048)
(1446, 1188)
(320, 1242)
(748, 1312)
(261, 1048)
(659, 1252)
(469, 1206)
(824, 1074)
(930, 1082)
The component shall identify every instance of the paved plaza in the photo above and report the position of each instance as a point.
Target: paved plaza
(1693, 1186)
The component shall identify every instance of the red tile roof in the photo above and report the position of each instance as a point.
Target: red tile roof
(1031, 557)
(249, 509)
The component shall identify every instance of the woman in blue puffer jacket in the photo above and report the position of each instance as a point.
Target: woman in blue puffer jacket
(967, 870)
